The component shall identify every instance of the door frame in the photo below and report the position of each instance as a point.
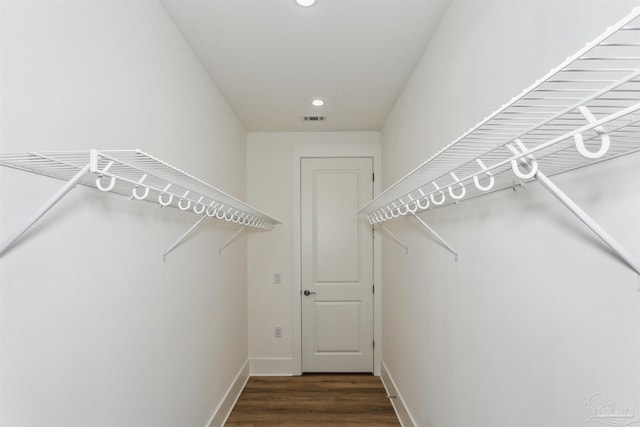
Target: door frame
(298, 152)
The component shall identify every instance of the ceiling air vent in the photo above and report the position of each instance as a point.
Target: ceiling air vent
(314, 118)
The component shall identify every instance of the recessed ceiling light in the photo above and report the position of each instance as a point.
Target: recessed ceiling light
(317, 102)
(305, 3)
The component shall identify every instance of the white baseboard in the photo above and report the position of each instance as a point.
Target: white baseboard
(271, 366)
(404, 416)
(225, 407)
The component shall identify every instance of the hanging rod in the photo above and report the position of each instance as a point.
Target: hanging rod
(139, 176)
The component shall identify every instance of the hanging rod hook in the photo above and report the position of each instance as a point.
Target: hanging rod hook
(391, 210)
(414, 203)
(199, 203)
(228, 216)
(529, 162)
(220, 214)
(425, 207)
(184, 197)
(425, 198)
(584, 152)
(109, 187)
(605, 139)
(433, 199)
(165, 203)
(406, 210)
(135, 195)
(463, 190)
(476, 181)
(134, 190)
(112, 182)
(211, 212)
(213, 209)
(162, 202)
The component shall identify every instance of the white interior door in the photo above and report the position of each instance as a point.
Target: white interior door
(337, 265)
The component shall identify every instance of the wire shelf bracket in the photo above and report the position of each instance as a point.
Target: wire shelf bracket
(59, 195)
(585, 111)
(530, 165)
(436, 235)
(183, 237)
(394, 237)
(140, 177)
(231, 240)
(588, 221)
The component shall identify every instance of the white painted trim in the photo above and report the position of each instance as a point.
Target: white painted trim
(299, 151)
(402, 412)
(271, 366)
(225, 407)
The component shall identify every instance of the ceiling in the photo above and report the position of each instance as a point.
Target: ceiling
(271, 58)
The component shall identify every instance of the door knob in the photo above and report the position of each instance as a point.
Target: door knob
(307, 292)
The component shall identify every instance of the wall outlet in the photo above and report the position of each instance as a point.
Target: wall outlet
(276, 278)
(277, 332)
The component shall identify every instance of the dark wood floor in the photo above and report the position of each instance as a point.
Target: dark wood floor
(313, 400)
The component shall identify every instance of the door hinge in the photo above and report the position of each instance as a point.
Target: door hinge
(373, 289)
(373, 345)
(373, 176)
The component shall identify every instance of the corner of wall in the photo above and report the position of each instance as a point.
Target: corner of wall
(232, 395)
(395, 397)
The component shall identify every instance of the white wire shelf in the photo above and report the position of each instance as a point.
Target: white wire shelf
(141, 176)
(585, 111)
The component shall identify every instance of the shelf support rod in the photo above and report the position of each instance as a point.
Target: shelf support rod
(588, 221)
(234, 237)
(9, 241)
(425, 225)
(394, 237)
(184, 236)
(530, 163)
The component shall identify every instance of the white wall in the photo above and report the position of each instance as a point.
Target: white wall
(270, 185)
(537, 314)
(95, 329)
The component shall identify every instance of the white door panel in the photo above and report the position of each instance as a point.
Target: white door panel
(340, 331)
(337, 265)
(336, 238)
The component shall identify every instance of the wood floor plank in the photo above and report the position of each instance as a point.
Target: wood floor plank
(313, 400)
